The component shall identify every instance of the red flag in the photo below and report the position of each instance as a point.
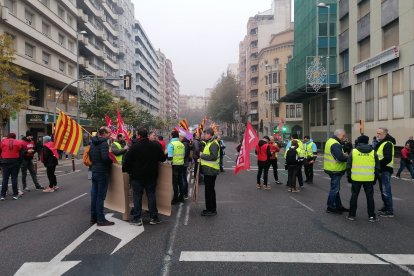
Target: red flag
(121, 127)
(111, 125)
(250, 141)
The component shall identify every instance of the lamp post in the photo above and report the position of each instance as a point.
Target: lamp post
(271, 96)
(77, 75)
(328, 81)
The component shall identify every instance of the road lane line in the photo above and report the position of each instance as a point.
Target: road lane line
(61, 205)
(280, 257)
(187, 215)
(168, 255)
(228, 157)
(303, 204)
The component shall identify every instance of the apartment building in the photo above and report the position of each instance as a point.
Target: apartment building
(169, 88)
(272, 86)
(147, 71)
(376, 65)
(45, 35)
(259, 31)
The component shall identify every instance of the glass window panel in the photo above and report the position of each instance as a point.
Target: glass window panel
(383, 109)
(398, 106)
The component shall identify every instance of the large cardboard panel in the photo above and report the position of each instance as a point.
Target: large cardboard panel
(118, 187)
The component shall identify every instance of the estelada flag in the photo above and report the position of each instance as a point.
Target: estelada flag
(68, 134)
(250, 140)
(121, 127)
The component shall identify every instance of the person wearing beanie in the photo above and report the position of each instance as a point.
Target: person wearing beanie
(10, 151)
(362, 171)
(49, 159)
(29, 150)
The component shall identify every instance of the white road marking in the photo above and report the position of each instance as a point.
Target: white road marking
(326, 177)
(227, 157)
(168, 255)
(303, 204)
(61, 205)
(279, 257)
(187, 215)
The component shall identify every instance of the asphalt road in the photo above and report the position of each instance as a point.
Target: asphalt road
(256, 232)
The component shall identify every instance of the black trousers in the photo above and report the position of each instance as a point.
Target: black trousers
(50, 170)
(369, 193)
(292, 174)
(273, 163)
(265, 170)
(178, 185)
(299, 175)
(308, 167)
(210, 192)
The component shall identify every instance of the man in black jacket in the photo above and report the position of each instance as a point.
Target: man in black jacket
(142, 164)
(101, 167)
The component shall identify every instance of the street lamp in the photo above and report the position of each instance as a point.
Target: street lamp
(77, 75)
(328, 81)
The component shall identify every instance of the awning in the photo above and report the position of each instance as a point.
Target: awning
(42, 118)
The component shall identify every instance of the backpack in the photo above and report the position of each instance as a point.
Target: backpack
(291, 157)
(86, 158)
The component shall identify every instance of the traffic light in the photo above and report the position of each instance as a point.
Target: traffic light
(284, 129)
(127, 82)
(275, 129)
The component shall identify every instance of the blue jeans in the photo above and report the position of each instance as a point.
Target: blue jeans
(385, 188)
(334, 199)
(10, 168)
(138, 187)
(98, 194)
(405, 164)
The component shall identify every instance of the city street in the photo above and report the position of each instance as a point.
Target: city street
(256, 232)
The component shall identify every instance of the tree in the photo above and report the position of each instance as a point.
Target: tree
(14, 91)
(96, 110)
(223, 102)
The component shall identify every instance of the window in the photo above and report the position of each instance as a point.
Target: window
(383, 97)
(50, 94)
(61, 12)
(70, 20)
(276, 61)
(276, 111)
(62, 40)
(71, 71)
(412, 91)
(45, 29)
(298, 110)
(292, 111)
(62, 66)
(344, 23)
(345, 60)
(45, 2)
(29, 50)
(369, 100)
(72, 100)
(11, 5)
(390, 35)
(363, 8)
(29, 17)
(397, 94)
(364, 49)
(358, 102)
(45, 58)
(287, 111)
(71, 46)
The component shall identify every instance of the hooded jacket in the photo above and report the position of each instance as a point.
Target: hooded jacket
(99, 155)
(364, 148)
(387, 153)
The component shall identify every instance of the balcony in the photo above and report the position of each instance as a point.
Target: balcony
(111, 28)
(110, 62)
(83, 62)
(113, 15)
(111, 47)
(254, 74)
(254, 86)
(69, 5)
(96, 52)
(93, 9)
(93, 29)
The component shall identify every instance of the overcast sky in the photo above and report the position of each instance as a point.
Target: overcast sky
(200, 37)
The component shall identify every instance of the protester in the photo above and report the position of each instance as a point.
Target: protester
(101, 167)
(222, 153)
(152, 136)
(406, 161)
(196, 153)
(385, 152)
(300, 145)
(10, 152)
(294, 159)
(334, 164)
(374, 142)
(263, 162)
(119, 147)
(50, 158)
(39, 147)
(210, 167)
(29, 151)
(410, 141)
(142, 164)
(310, 153)
(176, 152)
(362, 170)
(274, 149)
(162, 143)
(187, 149)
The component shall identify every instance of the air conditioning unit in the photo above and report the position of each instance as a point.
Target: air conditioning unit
(28, 22)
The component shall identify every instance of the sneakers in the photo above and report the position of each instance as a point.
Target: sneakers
(383, 209)
(295, 190)
(290, 189)
(350, 218)
(26, 189)
(373, 219)
(258, 186)
(105, 223)
(267, 187)
(2, 198)
(39, 188)
(278, 182)
(333, 211)
(16, 197)
(48, 190)
(56, 188)
(154, 221)
(185, 196)
(386, 214)
(206, 213)
(136, 222)
(20, 193)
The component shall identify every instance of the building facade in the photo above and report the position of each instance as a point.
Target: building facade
(169, 88)
(376, 65)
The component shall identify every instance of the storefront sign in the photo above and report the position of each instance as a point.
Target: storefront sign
(35, 118)
(385, 56)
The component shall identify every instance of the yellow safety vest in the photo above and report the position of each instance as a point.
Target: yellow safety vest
(329, 162)
(307, 150)
(178, 153)
(212, 164)
(380, 153)
(363, 166)
(118, 157)
(300, 146)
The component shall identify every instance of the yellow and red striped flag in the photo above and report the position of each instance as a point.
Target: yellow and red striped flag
(68, 134)
(184, 124)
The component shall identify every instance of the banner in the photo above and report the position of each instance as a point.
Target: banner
(121, 128)
(68, 134)
(250, 140)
